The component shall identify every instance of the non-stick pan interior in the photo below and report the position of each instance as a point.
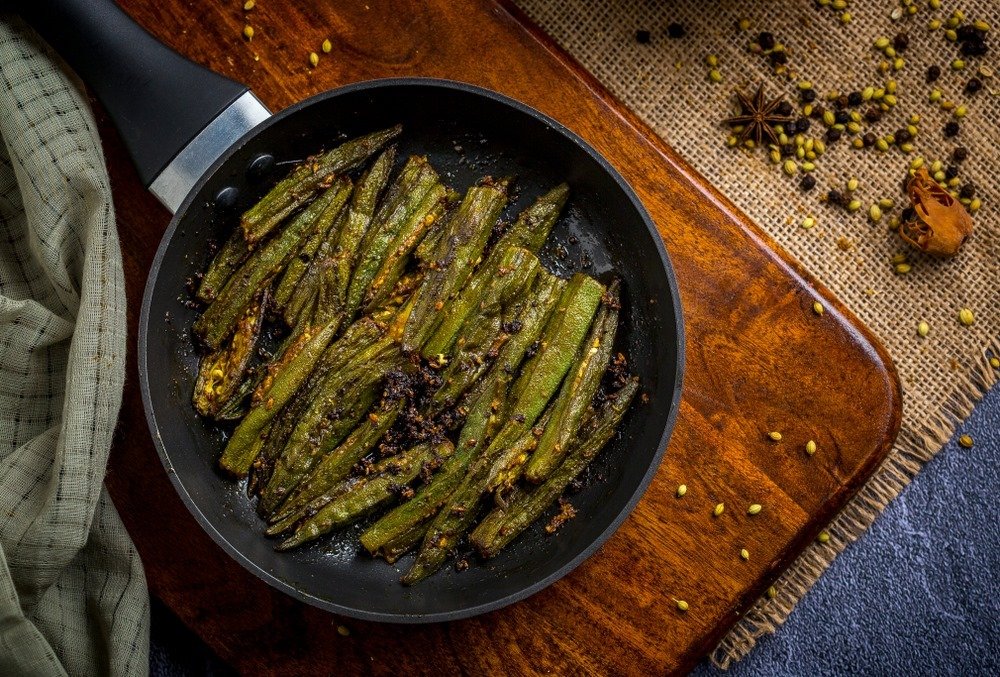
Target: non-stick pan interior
(466, 133)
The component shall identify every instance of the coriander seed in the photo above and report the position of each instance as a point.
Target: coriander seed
(823, 537)
(775, 435)
(719, 507)
(966, 441)
(923, 329)
(681, 490)
(248, 32)
(966, 317)
(682, 605)
(818, 309)
(810, 447)
(744, 554)
(754, 509)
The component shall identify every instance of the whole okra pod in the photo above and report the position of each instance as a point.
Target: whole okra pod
(504, 524)
(243, 446)
(577, 391)
(459, 251)
(379, 488)
(306, 179)
(219, 319)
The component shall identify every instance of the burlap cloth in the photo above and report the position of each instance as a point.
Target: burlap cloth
(666, 83)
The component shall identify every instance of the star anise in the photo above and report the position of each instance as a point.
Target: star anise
(758, 117)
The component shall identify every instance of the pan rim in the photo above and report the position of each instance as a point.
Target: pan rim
(464, 612)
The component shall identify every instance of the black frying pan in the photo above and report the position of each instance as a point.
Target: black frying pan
(466, 132)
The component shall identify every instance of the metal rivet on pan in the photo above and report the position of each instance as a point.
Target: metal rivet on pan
(260, 167)
(226, 198)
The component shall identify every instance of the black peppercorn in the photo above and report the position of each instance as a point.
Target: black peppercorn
(779, 58)
(807, 182)
(833, 135)
(802, 126)
(835, 197)
(784, 108)
(807, 95)
(951, 129)
(901, 42)
(973, 86)
(676, 30)
(786, 150)
(950, 172)
(817, 111)
(841, 102)
(842, 117)
(765, 40)
(933, 73)
(873, 114)
(974, 48)
(967, 191)
(907, 214)
(854, 99)
(968, 32)
(959, 154)
(902, 135)
(868, 140)
(642, 37)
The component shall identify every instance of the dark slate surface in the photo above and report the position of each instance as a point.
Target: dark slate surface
(918, 593)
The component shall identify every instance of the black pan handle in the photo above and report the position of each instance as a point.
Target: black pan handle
(159, 100)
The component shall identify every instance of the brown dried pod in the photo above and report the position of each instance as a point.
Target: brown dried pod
(940, 224)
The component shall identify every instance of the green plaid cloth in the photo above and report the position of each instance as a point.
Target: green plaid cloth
(73, 596)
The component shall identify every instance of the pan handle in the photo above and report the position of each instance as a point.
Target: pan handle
(175, 116)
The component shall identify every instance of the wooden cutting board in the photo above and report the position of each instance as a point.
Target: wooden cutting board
(758, 359)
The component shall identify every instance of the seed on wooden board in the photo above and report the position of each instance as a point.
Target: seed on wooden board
(248, 32)
(248, 5)
(810, 447)
(818, 308)
(719, 507)
(682, 605)
(744, 554)
(327, 46)
(681, 490)
(343, 631)
(775, 435)
(754, 509)
(966, 317)
(966, 441)
(313, 59)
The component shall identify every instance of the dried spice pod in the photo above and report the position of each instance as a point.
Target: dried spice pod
(940, 224)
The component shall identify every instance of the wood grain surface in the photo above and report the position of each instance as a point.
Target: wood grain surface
(758, 359)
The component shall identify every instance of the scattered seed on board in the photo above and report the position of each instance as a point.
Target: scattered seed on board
(966, 441)
(966, 317)
(810, 447)
(775, 435)
(343, 631)
(823, 537)
(327, 46)
(248, 5)
(718, 509)
(681, 490)
(818, 308)
(754, 509)
(313, 59)
(248, 32)
(923, 329)
(682, 605)
(744, 554)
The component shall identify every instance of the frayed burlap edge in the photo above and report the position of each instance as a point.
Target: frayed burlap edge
(913, 448)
